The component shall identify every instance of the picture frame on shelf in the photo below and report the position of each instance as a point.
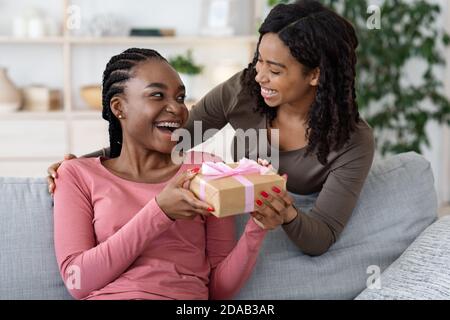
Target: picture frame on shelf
(216, 18)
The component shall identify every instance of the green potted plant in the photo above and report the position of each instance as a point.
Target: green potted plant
(187, 68)
(409, 44)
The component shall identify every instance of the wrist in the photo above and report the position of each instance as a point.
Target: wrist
(161, 206)
(291, 215)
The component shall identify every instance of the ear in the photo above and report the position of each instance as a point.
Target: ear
(314, 77)
(117, 107)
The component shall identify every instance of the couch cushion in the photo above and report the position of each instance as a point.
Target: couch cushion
(397, 203)
(28, 268)
(422, 272)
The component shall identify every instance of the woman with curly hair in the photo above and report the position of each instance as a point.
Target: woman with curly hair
(301, 83)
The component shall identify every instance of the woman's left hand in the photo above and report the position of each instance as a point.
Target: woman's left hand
(274, 208)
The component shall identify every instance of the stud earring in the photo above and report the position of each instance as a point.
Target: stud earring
(120, 116)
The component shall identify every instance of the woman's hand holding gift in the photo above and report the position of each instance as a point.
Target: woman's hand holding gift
(275, 207)
(177, 202)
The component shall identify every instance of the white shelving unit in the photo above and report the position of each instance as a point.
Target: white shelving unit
(29, 141)
(67, 43)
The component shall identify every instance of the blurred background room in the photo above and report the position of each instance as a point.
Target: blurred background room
(53, 53)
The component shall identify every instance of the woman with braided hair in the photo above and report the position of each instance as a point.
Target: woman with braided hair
(301, 83)
(128, 227)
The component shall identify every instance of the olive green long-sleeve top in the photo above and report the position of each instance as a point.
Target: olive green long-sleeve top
(338, 183)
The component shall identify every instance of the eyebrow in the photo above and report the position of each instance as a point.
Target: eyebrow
(276, 64)
(273, 62)
(163, 86)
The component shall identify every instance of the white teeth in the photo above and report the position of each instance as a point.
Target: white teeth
(168, 124)
(268, 92)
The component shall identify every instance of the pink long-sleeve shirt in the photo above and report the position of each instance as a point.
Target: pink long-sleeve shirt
(112, 241)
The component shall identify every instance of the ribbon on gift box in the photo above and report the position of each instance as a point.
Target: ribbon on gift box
(218, 170)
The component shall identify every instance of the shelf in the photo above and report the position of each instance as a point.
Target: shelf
(34, 115)
(194, 40)
(86, 115)
(46, 40)
(53, 115)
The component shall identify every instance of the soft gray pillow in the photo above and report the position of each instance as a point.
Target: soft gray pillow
(397, 203)
(422, 272)
(28, 268)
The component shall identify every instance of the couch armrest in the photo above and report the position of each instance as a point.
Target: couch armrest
(422, 272)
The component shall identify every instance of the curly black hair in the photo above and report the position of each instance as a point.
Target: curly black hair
(318, 38)
(118, 71)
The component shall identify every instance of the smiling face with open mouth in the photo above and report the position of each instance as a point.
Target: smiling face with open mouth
(283, 80)
(153, 106)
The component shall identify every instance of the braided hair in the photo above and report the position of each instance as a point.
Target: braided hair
(118, 71)
(317, 37)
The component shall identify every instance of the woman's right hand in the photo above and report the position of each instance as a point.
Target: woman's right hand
(52, 172)
(177, 202)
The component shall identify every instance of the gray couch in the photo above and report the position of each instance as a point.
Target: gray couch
(393, 231)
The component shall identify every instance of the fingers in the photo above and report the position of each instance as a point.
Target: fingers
(282, 196)
(260, 224)
(197, 204)
(69, 156)
(269, 218)
(186, 176)
(52, 175)
(202, 212)
(264, 163)
(52, 170)
(186, 184)
(258, 216)
(51, 185)
(262, 209)
(275, 203)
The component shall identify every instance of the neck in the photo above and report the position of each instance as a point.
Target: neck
(138, 162)
(299, 110)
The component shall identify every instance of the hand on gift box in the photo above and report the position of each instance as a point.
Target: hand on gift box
(231, 188)
(274, 208)
(177, 202)
(265, 163)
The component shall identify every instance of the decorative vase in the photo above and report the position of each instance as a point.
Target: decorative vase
(92, 95)
(10, 95)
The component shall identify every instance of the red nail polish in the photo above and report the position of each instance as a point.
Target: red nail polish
(211, 209)
(195, 170)
(276, 189)
(259, 202)
(265, 194)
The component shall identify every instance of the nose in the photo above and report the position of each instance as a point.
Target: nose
(261, 76)
(175, 107)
